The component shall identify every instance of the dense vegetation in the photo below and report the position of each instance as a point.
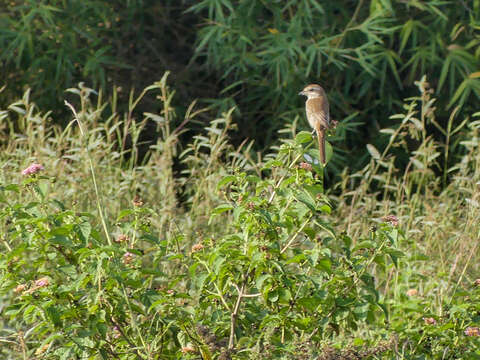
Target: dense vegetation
(102, 258)
(253, 54)
(152, 225)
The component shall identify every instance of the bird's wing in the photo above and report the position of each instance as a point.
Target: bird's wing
(318, 108)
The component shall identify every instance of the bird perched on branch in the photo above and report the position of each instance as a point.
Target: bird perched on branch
(318, 114)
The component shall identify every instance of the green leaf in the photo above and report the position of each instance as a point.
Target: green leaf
(253, 179)
(284, 295)
(54, 316)
(307, 199)
(42, 188)
(12, 187)
(394, 255)
(364, 245)
(84, 228)
(30, 312)
(310, 303)
(297, 259)
(272, 296)
(444, 72)
(326, 209)
(124, 213)
(395, 252)
(405, 34)
(311, 233)
(373, 151)
(325, 264)
(303, 137)
(261, 279)
(226, 180)
(358, 342)
(222, 208)
(313, 190)
(68, 270)
(61, 240)
(14, 310)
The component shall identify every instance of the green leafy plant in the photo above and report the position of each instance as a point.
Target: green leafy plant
(237, 255)
(283, 277)
(252, 55)
(280, 277)
(73, 293)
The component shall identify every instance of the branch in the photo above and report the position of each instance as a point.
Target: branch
(295, 235)
(234, 315)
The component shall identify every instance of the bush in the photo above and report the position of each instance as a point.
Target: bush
(278, 282)
(235, 257)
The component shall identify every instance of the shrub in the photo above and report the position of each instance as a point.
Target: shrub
(279, 280)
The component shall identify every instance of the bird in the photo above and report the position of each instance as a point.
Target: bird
(318, 114)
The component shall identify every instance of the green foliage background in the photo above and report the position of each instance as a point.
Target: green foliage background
(253, 54)
(201, 245)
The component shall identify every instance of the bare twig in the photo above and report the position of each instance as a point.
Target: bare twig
(234, 315)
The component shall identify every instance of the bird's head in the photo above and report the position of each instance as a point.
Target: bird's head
(312, 91)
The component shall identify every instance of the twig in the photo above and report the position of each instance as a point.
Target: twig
(282, 178)
(295, 235)
(132, 345)
(234, 315)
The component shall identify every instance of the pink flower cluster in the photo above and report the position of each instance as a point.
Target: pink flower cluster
(305, 166)
(116, 332)
(430, 321)
(472, 331)
(412, 292)
(32, 169)
(121, 238)
(392, 219)
(38, 284)
(128, 257)
(42, 282)
(197, 247)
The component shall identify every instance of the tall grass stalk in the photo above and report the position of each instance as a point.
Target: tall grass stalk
(92, 173)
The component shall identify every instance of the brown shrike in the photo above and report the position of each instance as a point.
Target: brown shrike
(318, 114)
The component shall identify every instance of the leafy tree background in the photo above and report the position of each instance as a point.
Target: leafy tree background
(253, 54)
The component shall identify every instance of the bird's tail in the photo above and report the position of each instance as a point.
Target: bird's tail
(321, 144)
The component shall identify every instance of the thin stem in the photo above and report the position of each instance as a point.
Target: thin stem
(23, 346)
(92, 172)
(234, 314)
(134, 322)
(349, 26)
(219, 293)
(473, 251)
(127, 339)
(295, 235)
(272, 196)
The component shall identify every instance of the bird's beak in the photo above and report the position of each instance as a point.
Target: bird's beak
(301, 93)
